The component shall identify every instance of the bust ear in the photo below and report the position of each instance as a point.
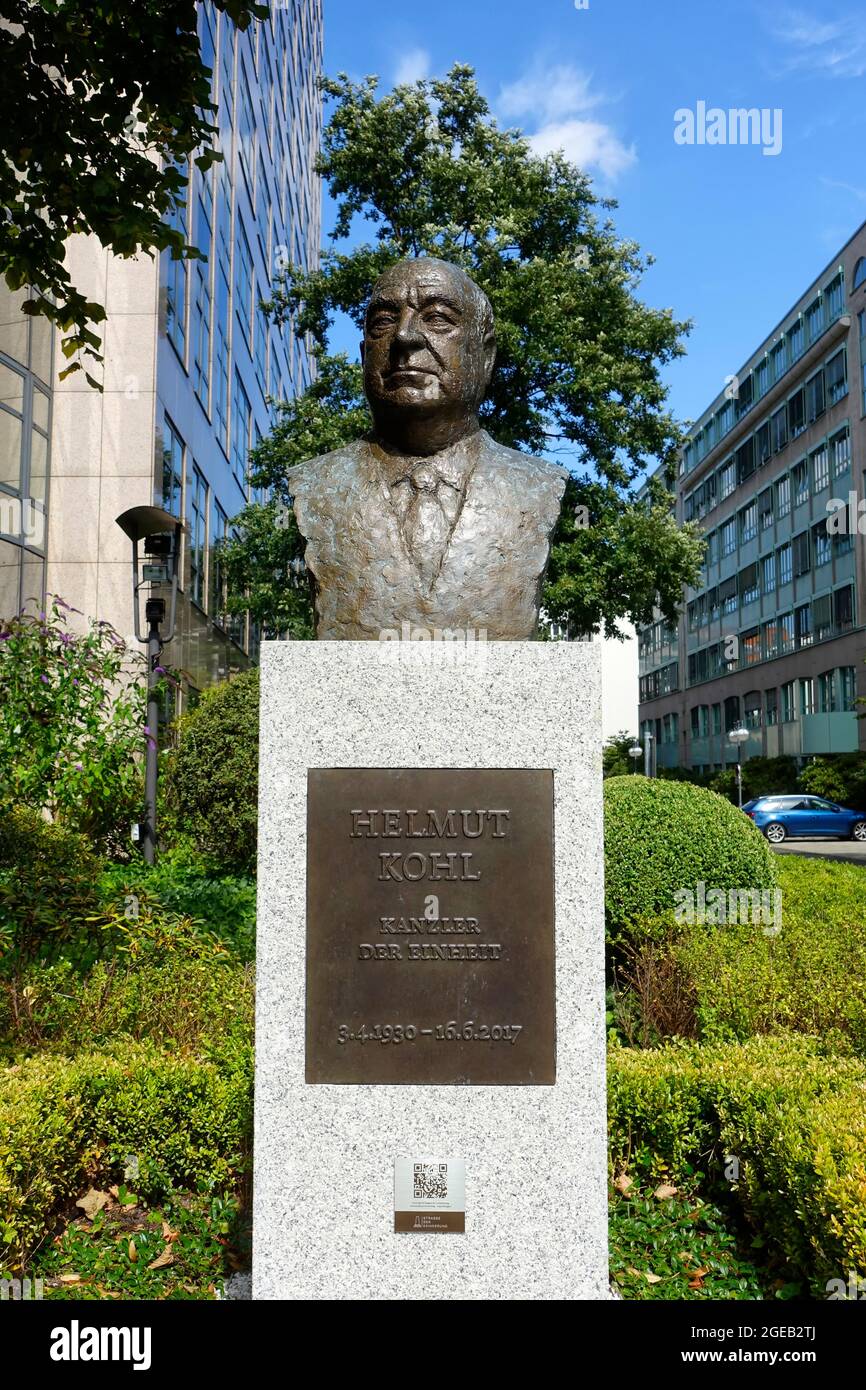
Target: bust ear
(489, 357)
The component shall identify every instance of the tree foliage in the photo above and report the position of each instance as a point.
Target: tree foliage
(101, 107)
(72, 724)
(579, 355)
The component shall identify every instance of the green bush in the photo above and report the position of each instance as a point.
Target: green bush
(185, 1004)
(210, 777)
(775, 1120)
(67, 1123)
(225, 905)
(731, 982)
(661, 837)
(840, 777)
(48, 889)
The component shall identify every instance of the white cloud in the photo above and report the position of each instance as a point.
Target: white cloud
(834, 49)
(553, 102)
(412, 65)
(549, 94)
(587, 144)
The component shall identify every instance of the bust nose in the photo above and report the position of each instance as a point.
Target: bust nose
(408, 332)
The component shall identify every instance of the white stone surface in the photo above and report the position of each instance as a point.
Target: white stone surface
(536, 1191)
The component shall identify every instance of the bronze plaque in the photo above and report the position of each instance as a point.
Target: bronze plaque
(430, 942)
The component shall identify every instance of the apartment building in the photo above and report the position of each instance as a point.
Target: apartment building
(192, 370)
(772, 636)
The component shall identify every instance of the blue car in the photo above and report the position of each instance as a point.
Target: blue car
(779, 817)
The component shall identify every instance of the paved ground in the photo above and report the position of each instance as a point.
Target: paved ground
(849, 850)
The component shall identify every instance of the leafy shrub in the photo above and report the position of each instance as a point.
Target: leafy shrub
(210, 779)
(839, 777)
(733, 981)
(48, 889)
(187, 1121)
(786, 1120)
(225, 905)
(72, 724)
(663, 836)
(186, 1004)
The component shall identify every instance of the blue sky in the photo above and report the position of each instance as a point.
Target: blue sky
(737, 234)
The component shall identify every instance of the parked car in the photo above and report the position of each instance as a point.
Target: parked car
(779, 817)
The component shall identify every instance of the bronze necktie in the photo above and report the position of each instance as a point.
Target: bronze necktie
(429, 519)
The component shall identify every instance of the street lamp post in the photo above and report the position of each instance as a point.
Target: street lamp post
(160, 532)
(647, 753)
(635, 752)
(738, 737)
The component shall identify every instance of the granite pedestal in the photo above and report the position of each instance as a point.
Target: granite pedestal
(535, 1155)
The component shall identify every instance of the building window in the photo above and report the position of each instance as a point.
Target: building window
(727, 479)
(802, 554)
(778, 361)
(800, 478)
(241, 424)
(729, 537)
(843, 608)
(821, 544)
(789, 708)
(840, 448)
(770, 642)
(176, 281)
(803, 626)
(749, 522)
(815, 397)
(751, 647)
(712, 548)
(221, 359)
(814, 321)
(172, 470)
(749, 588)
(837, 377)
(717, 719)
(783, 496)
(768, 574)
(765, 509)
(201, 338)
(216, 586)
(795, 340)
(859, 274)
(848, 688)
(797, 413)
(834, 294)
(807, 696)
(771, 706)
(822, 617)
(244, 285)
(820, 463)
(761, 376)
(728, 594)
(786, 633)
(827, 693)
(197, 513)
(779, 425)
(763, 443)
(752, 709)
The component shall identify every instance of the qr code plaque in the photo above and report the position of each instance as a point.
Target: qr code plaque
(430, 1180)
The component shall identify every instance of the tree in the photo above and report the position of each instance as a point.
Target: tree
(579, 356)
(101, 107)
(615, 760)
(72, 724)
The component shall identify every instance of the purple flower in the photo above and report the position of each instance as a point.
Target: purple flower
(5, 636)
(45, 680)
(80, 767)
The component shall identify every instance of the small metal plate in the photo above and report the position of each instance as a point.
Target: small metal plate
(429, 1196)
(430, 932)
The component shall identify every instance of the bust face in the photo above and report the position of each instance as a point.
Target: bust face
(425, 350)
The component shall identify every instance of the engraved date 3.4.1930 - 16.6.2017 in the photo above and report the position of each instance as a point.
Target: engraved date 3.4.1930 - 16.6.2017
(470, 1031)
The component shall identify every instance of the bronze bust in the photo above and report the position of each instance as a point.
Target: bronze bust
(427, 520)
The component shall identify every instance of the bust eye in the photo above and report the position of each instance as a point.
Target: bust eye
(438, 320)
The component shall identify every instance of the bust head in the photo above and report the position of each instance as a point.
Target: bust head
(428, 353)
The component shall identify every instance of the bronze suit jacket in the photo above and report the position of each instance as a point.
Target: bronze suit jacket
(365, 582)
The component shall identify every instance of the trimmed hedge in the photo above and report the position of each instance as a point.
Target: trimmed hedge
(68, 1122)
(792, 1117)
(663, 836)
(48, 887)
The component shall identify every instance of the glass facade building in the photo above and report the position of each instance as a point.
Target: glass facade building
(193, 366)
(772, 636)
